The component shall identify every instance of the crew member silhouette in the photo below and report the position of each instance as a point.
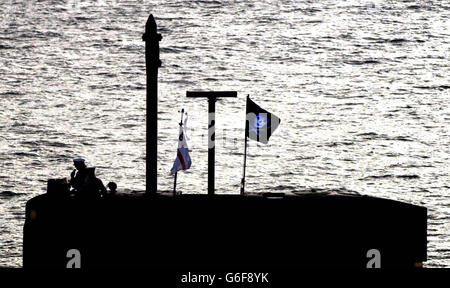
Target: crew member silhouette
(78, 175)
(112, 188)
(92, 186)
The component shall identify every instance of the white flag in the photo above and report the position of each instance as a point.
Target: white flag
(183, 160)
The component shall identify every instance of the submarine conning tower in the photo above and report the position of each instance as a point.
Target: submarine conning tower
(261, 230)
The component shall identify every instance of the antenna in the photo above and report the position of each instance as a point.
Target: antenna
(212, 97)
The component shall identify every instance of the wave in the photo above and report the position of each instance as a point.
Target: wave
(375, 136)
(327, 191)
(9, 194)
(334, 144)
(11, 93)
(26, 154)
(175, 49)
(362, 62)
(388, 176)
(438, 87)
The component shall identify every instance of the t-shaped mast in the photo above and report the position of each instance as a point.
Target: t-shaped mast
(212, 96)
(152, 63)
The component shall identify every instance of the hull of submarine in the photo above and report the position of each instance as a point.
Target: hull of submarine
(224, 231)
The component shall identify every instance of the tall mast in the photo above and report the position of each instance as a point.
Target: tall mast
(152, 63)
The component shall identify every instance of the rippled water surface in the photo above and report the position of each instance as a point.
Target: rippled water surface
(362, 88)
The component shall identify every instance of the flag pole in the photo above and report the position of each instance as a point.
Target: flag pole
(175, 184)
(175, 178)
(245, 160)
(245, 151)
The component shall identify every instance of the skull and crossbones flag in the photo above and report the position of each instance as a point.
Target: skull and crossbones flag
(260, 123)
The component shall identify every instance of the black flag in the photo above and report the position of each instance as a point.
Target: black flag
(260, 123)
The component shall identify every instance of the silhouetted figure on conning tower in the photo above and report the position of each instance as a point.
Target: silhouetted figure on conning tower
(112, 188)
(78, 175)
(92, 187)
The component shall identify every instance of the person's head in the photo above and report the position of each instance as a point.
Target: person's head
(79, 163)
(90, 172)
(112, 187)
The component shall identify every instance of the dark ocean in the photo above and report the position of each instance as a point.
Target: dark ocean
(362, 89)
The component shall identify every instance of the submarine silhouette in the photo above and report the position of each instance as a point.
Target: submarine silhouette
(261, 230)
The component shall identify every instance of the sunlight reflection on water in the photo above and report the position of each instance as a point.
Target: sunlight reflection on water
(361, 87)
